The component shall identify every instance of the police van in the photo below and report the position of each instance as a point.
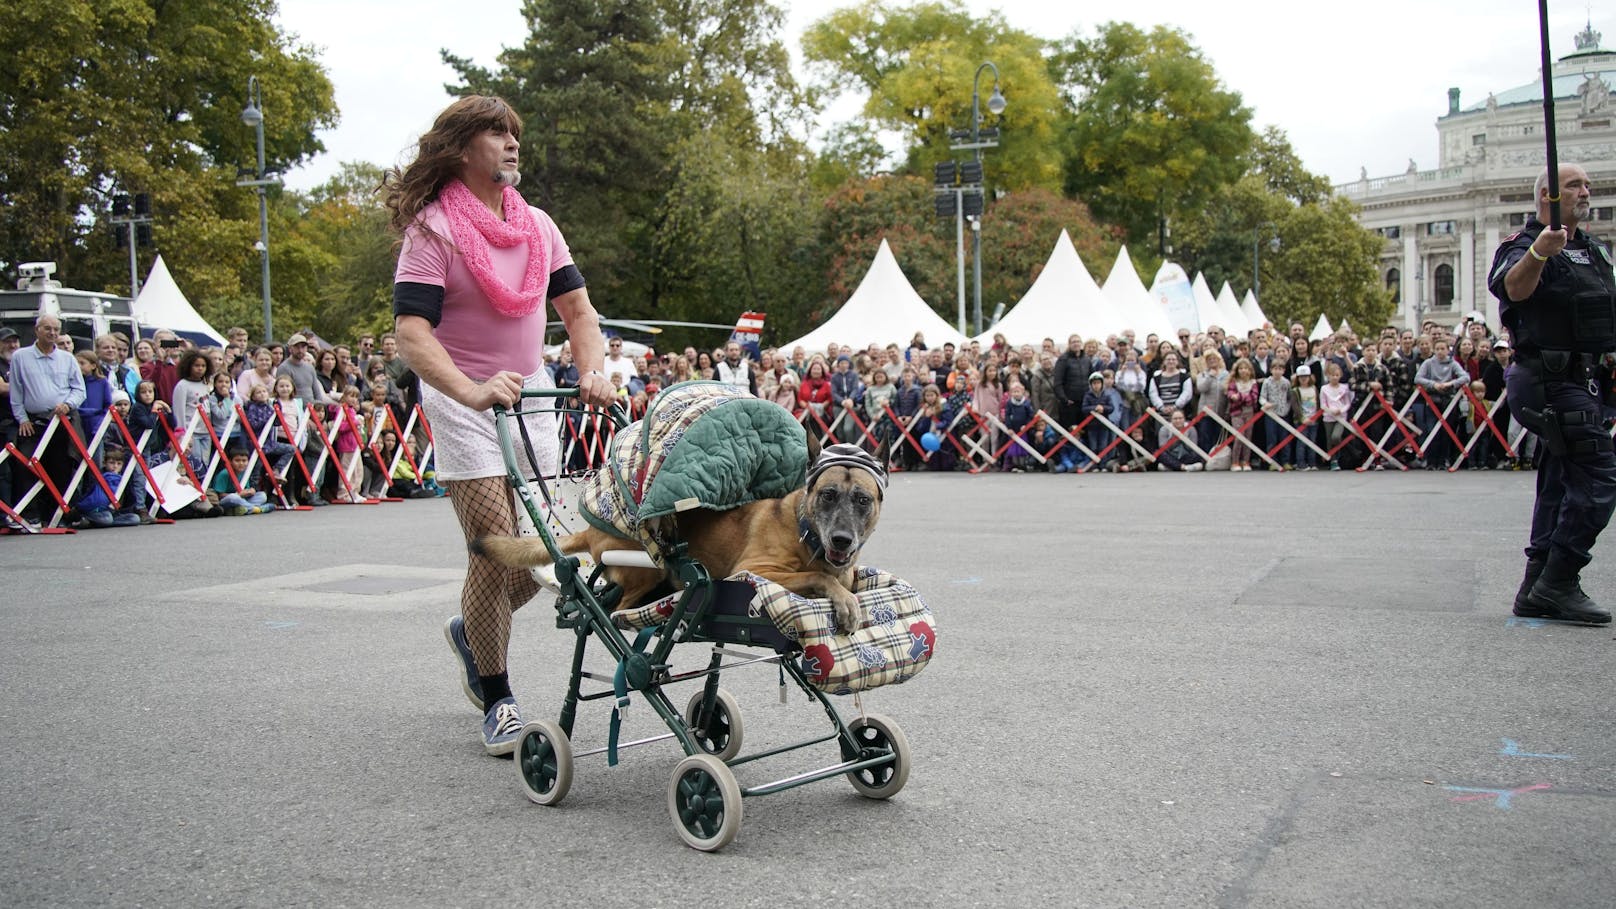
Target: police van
(84, 314)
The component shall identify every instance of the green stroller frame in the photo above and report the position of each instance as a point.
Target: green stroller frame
(704, 797)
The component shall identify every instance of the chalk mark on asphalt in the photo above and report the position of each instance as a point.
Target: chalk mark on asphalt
(1501, 797)
(1512, 748)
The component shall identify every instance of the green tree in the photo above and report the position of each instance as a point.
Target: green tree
(1314, 255)
(1153, 133)
(611, 91)
(1018, 234)
(146, 96)
(918, 65)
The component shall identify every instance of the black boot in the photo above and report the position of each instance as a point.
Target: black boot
(1559, 595)
(1534, 568)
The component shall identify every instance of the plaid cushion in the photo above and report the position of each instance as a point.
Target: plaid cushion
(896, 641)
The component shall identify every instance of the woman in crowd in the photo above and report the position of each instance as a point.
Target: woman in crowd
(1211, 384)
(814, 393)
(331, 379)
(262, 373)
(1170, 387)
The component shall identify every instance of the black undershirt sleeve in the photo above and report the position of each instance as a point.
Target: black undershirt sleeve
(411, 298)
(565, 279)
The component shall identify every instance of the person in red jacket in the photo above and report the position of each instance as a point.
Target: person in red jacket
(814, 393)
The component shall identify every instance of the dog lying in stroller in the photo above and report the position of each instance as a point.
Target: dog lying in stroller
(805, 541)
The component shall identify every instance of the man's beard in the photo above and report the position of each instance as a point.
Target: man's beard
(504, 177)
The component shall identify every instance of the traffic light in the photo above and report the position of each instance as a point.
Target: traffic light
(945, 205)
(143, 234)
(971, 172)
(120, 205)
(142, 205)
(947, 173)
(973, 203)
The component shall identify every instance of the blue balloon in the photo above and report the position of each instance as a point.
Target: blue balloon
(930, 441)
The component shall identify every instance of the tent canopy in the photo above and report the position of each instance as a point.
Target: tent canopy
(1255, 317)
(161, 304)
(1206, 306)
(1062, 301)
(1233, 322)
(884, 309)
(1140, 311)
(1321, 329)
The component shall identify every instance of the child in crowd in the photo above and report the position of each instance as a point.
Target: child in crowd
(97, 510)
(249, 500)
(402, 481)
(1305, 408)
(221, 406)
(878, 397)
(1275, 400)
(295, 434)
(1335, 401)
(344, 417)
(1132, 460)
(785, 391)
(144, 414)
(1095, 434)
(261, 416)
(1017, 416)
(1177, 456)
(1242, 396)
(1132, 380)
(97, 395)
(935, 417)
(1474, 420)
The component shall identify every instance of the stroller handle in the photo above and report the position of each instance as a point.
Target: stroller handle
(615, 412)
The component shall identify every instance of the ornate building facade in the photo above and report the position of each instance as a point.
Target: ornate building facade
(1441, 226)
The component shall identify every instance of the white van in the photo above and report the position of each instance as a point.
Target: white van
(84, 314)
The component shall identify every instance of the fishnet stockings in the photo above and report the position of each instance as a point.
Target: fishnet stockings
(492, 592)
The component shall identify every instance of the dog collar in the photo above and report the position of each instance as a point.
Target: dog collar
(805, 533)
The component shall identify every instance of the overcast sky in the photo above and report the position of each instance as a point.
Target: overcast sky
(1353, 84)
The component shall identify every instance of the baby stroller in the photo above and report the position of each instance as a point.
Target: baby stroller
(655, 468)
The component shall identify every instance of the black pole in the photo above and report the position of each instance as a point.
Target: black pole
(1548, 116)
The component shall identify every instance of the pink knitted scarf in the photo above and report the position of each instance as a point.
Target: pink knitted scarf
(475, 227)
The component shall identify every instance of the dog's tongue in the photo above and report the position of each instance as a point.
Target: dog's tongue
(836, 556)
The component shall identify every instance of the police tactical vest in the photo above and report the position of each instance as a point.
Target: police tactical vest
(1574, 308)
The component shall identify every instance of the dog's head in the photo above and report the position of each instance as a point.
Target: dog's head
(843, 502)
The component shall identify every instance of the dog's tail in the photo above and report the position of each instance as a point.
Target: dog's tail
(516, 552)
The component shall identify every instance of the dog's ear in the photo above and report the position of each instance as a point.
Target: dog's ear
(813, 448)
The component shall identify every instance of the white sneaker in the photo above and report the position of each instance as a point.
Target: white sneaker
(1191, 468)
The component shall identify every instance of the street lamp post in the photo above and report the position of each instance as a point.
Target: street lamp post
(1256, 258)
(253, 116)
(996, 105)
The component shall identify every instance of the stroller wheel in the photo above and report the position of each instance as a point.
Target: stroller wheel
(705, 802)
(544, 762)
(719, 732)
(876, 734)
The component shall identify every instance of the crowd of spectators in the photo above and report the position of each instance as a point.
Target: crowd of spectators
(277, 399)
(918, 407)
(924, 407)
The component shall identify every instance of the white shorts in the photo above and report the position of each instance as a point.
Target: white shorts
(468, 446)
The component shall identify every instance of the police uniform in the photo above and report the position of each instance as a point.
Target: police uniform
(1564, 335)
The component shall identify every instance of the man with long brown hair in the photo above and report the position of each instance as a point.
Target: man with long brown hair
(475, 269)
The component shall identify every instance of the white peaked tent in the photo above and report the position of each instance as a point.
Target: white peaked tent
(1063, 300)
(1206, 306)
(1233, 321)
(161, 304)
(1127, 294)
(884, 309)
(1253, 313)
(1321, 329)
(1343, 326)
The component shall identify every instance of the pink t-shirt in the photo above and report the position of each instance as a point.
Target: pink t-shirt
(479, 339)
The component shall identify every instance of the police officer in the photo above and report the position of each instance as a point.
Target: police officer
(1557, 296)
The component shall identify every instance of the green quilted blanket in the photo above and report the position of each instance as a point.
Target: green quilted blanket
(700, 445)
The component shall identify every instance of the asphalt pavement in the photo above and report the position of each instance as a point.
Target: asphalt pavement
(1228, 690)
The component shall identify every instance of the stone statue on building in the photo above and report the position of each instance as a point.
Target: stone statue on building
(1594, 93)
(1492, 103)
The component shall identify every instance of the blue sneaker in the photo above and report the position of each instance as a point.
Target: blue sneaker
(470, 682)
(502, 727)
